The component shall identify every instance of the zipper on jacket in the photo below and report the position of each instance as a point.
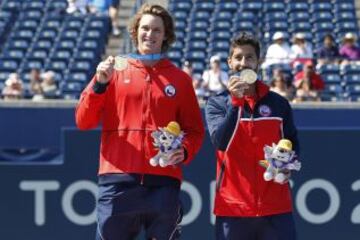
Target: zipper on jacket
(146, 103)
(221, 176)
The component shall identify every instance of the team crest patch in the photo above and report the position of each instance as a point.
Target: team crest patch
(170, 90)
(264, 110)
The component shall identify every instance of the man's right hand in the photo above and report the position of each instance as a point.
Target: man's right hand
(105, 69)
(237, 87)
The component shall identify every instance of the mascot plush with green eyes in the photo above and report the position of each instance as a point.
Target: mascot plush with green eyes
(166, 140)
(279, 160)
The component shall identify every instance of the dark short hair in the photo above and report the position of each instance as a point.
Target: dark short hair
(159, 11)
(242, 39)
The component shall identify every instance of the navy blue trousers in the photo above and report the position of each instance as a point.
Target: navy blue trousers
(124, 209)
(274, 227)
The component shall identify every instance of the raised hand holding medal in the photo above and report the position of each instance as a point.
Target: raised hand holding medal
(105, 69)
(239, 82)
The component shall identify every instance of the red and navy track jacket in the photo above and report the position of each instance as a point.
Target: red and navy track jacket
(240, 128)
(137, 101)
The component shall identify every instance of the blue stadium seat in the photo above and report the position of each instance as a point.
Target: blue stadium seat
(220, 25)
(220, 35)
(86, 55)
(48, 34)
(351, 78)
(273, 6)
(183, 6)
(18, 45)
(43, 45)
(34, 5)
(28, 65)
(31, 14)
(71, 87)
(52, 24)
(73, 24)
(344, 16)
(223, 15)
(344, 6)
(81, 66)
(195, 55)
(297, 6)
(180, 25)
(93, 35)
(231, 6)
(199, 25)
(58, 54)
(197, 45)
(299, 16)
(37, 55)
(206, 6)
(16, 55)
(244, 16)
(323, 27)
(346, 27)
(300, 27)
(329, 69)
(198, 66)
(175, 55)
(255, 6)
(350, 69)
(200, 15)
(58, 5)
(77, 77)
(275, 16)
(322, 17)
(178, 45)
(219, 46)
(321, 6)
(275, 26)
(66, 45)
(243, 26)
(331, 78)
(180, 34)
(198, 35)
(13, 6)
(69, 35)
(8, 65)
(31, 25)
(58, 66)
(180, 15)
(26, 35)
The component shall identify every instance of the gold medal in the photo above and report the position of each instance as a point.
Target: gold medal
(120, 63)
(248, 76)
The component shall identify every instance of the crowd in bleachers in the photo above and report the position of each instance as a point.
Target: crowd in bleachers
(68, 38)
(295, 36)
(62, 40)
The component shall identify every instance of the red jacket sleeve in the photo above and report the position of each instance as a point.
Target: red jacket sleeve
(190, 120)
(89, 109)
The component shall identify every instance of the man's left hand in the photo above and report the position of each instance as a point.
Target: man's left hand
(176, 157)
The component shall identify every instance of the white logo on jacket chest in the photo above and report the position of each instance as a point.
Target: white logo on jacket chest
(264, 111)
(170, 90)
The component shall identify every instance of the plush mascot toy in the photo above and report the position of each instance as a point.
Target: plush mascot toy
(166, 140)
(279, 160)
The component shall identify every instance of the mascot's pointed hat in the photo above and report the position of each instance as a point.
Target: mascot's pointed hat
(173, 128)
(285, 144)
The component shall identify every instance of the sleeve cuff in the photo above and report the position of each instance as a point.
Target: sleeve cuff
(99, 88)
(237, 102)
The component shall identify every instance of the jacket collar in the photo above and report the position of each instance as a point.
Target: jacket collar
(162, 63)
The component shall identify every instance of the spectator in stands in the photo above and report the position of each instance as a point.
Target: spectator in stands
(215, 80)
(48, 85)
(349, 50)
(13, 89)
(306, 92)
(301, 51)
(329, 52)
(110, 8)
(280, 85)
(35, 84)
(144, 92)
(308, 74)
(278, 52)
(196, 80)
(77, 6)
